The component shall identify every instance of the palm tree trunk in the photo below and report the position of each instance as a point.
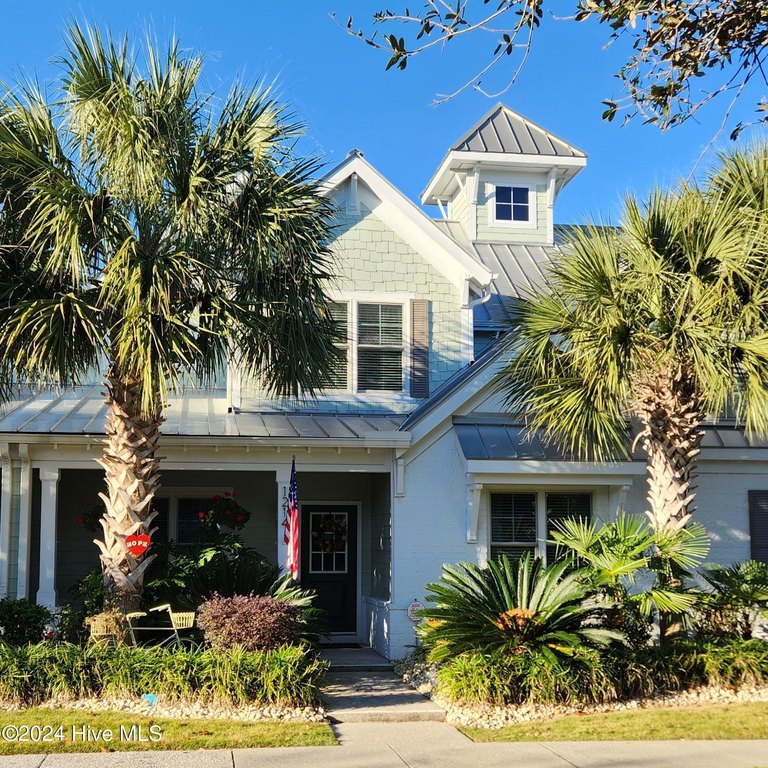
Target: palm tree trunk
(131, 470)
(670, 415)
(669, 411)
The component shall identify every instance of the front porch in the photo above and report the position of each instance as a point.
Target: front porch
(46, 548)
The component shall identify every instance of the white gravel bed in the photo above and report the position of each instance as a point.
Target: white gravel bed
(422, 676)
(186, 709)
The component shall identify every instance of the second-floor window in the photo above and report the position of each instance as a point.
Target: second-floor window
(371, 357)
(512, 205)
(380, 347)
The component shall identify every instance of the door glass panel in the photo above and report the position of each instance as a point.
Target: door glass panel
(329, 539)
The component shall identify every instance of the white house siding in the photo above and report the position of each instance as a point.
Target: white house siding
(371, 258)
(428, 529)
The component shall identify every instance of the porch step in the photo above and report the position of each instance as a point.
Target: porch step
(354, 659)
(374, 696)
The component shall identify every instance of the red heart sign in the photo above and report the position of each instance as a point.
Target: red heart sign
(137, 545)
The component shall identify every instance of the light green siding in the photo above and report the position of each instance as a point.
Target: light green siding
(458, 210)
(370, 257)
(501, 234)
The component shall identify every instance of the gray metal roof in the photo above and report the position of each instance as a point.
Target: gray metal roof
(194, 413)
(455, 230)
(518, 268)
(494, 438)
(503, 130)
(486, 439)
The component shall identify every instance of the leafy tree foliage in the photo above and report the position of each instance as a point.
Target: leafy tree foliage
(671, 45)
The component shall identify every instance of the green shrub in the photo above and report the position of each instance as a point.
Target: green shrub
(35, 673)
(188, 576)
(22, 622)
(518, 609)
(254, 623)
(526, 678)
(612, 555)
(738, 598)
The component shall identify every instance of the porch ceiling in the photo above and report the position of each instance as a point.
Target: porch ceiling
(80, 411)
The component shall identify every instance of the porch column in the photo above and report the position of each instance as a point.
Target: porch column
(25, 523)
(283, 478)
(49, 479)
(5, 516)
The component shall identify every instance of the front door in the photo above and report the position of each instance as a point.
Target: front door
(329, 561)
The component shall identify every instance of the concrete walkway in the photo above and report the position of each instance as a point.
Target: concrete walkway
(361, 687)
(423, 745)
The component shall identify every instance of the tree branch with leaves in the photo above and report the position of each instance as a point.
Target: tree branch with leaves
(670, 46)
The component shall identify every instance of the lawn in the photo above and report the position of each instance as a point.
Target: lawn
(729, 721)
(37, 730)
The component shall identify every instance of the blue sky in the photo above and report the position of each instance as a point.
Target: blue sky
(339, 87)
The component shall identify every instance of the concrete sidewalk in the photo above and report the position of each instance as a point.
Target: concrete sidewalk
(425, 744)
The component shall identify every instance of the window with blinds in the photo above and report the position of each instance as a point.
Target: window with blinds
(561, 506)
(380, 347)
(516, 526)
(758, 525)
(339, 378)
(513, 525)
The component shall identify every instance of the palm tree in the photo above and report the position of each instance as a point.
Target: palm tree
(151, 231)
(664, 321)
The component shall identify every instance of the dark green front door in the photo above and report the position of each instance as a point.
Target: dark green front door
(329, 561)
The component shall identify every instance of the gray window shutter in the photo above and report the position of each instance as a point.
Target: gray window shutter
(419, 348)
(758, 525)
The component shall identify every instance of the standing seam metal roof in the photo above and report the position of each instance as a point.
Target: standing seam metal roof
(194, 413)
(503, 130)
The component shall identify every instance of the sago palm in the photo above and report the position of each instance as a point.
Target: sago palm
(154, 232)
(512, 607)
(663, 321)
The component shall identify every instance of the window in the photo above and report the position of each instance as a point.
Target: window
(513, 205)
(372, 353)
(329, 542)
(758, 525)
(522, 522)
(178, 517)
(513, 524)
(339, 378)
(380, 347)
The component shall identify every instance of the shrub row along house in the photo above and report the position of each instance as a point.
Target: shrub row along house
(407, 460)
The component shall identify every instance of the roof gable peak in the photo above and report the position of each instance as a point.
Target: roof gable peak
(502, 130)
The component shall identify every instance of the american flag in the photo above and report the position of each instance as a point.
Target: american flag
(291, 525)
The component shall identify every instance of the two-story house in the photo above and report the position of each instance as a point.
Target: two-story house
(407, 461)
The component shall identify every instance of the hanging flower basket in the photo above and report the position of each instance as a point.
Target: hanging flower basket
(224, 512)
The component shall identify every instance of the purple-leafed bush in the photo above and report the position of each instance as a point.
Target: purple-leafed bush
(253, 622)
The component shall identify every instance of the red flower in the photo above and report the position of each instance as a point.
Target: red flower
(216, 497)
(228, 513)
(239, 518)
(80, 520)
(227, 494)
(201, 515)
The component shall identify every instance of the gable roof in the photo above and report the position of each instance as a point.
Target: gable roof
(503, 130)
(410, 222)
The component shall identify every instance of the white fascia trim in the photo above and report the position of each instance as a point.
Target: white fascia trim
(410, 222)
(499, 159)
(368, 440)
